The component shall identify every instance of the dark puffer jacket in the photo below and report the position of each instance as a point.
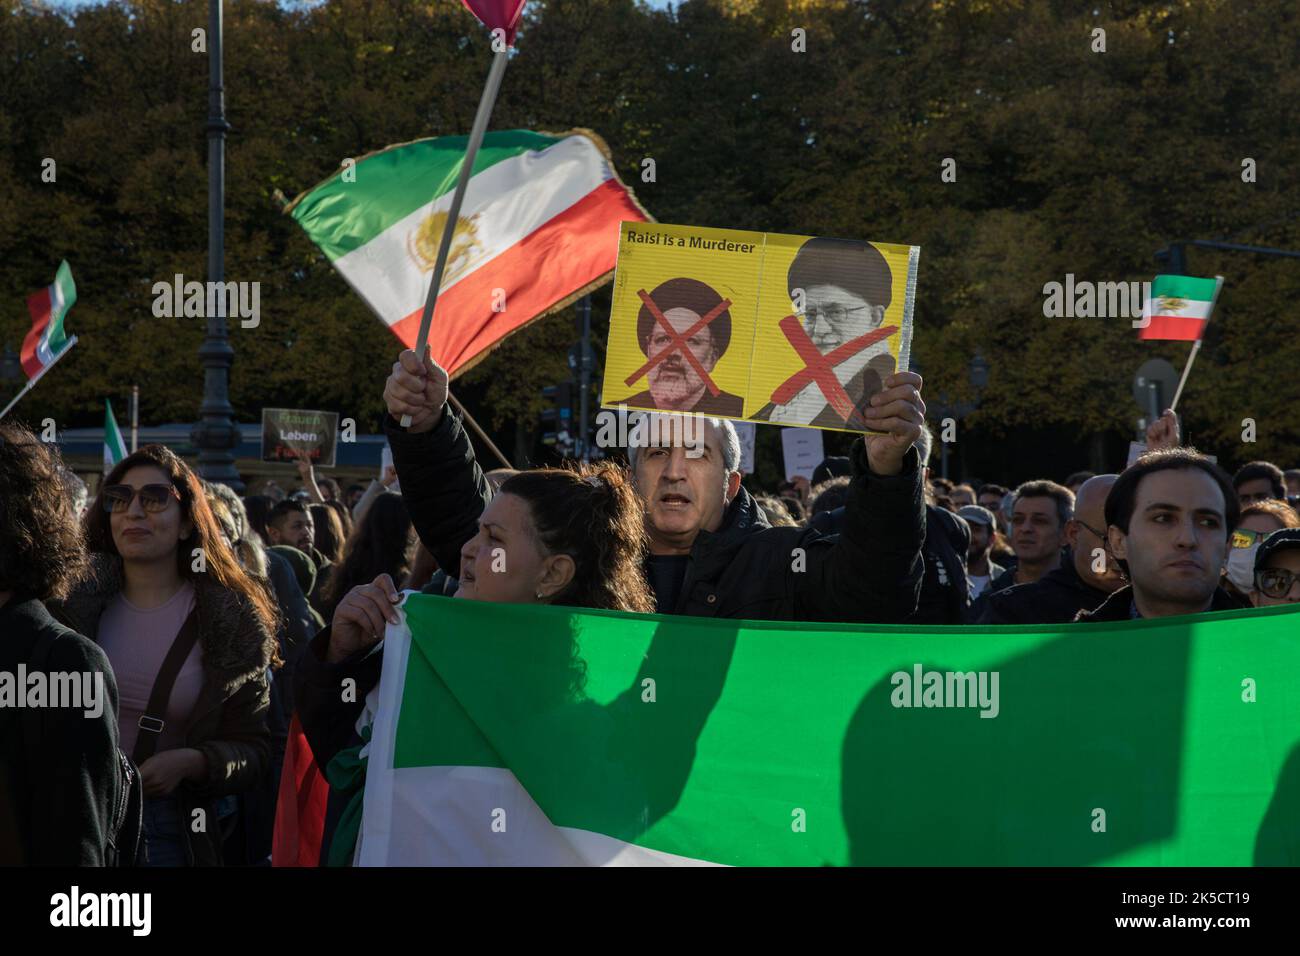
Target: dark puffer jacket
(1054, 599)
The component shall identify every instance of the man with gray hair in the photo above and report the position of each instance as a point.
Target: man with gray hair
(712, 551)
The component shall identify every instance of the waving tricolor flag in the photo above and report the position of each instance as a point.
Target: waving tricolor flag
(46, 342)
(1179, 308)
(114, 446)
(539, 227)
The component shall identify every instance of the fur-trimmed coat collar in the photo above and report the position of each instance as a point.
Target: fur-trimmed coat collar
(235, 644)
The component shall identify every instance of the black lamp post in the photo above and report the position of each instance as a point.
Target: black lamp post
(215, 434)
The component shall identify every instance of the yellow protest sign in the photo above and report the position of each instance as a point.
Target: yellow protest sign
(796, 330)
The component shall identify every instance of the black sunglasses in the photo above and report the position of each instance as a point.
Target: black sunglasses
(153, 498)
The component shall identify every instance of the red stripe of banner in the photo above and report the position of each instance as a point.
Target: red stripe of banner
(1174, 328)
(40, 306)
(576, 247)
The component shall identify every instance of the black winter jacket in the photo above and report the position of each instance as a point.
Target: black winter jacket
(1118, 607)
(1054, 599)
(945, 590)
(56, 805)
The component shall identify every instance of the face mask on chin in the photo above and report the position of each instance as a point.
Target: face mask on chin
(1241, 567)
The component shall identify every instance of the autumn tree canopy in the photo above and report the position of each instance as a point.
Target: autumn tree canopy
(1067, 160)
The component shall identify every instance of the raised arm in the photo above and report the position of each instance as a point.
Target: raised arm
(442, 484)
(872, 572)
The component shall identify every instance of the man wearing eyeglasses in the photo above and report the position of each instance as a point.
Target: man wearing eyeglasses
(844, 288)
(1277, 569)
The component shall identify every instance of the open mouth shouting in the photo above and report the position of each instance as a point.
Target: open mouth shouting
(674, 501)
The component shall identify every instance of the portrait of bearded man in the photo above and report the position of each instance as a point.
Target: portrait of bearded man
(674, 383)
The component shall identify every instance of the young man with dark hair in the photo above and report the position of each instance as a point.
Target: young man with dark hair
(290, 524)
(1039, 513)
(1259, 481)
(1169, 519)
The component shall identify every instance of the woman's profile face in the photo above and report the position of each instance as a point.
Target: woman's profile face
(142, 535)
(504, 562)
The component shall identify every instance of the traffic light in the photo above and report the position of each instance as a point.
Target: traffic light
(557, 417)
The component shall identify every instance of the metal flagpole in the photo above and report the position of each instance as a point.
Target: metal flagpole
(485, 104)
(72, 340)
(135, 415)
(1218, 284)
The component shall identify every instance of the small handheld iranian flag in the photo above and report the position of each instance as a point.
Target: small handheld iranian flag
(46, 342)
(1179, 308)
(114, 447)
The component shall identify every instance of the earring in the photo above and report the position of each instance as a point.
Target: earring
(539, 595)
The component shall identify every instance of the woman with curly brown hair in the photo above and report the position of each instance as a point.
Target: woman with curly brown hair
(571, 536)
(59, 765)
(191, 637)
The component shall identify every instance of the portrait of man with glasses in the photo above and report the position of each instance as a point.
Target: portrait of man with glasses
(840, 290)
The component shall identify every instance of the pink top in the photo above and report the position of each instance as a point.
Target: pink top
(136, 640)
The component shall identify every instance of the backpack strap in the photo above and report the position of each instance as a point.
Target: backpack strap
(151, 721)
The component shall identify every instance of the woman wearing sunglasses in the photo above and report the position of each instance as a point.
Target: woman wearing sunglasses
(190, 636)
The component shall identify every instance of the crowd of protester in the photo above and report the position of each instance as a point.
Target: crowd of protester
(214, 618)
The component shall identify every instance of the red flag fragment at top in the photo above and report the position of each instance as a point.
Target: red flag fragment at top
(498, 15)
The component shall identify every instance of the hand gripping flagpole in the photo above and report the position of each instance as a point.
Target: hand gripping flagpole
(485, 104)
(1196, 347)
